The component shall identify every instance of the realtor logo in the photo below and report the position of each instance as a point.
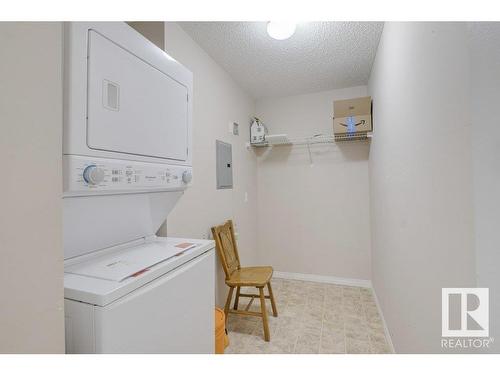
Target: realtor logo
(465, 312)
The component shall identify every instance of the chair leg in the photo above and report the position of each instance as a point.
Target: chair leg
(264, 314)
(237, 298)
(271, 297)
(228, 302)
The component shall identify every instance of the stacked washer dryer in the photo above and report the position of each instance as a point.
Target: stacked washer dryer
(127, 160)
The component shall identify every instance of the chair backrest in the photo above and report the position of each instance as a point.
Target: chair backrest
(226, 247)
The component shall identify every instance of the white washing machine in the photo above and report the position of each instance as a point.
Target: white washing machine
(126, 162)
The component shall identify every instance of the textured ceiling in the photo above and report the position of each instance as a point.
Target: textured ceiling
(319, 56)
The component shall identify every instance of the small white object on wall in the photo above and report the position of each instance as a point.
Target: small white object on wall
(234, 128)
(257, 132)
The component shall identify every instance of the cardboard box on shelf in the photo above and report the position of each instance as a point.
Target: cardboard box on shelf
(352, 116)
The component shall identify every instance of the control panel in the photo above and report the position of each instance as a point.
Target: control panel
(84, 175)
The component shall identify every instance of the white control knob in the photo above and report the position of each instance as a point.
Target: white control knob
(93, 175)
(187, 176)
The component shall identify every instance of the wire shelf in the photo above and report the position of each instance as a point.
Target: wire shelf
(283, 140)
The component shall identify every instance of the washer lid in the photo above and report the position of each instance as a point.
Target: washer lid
(129, 262)
(102, 279)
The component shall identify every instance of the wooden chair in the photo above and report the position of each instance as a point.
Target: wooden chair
(237, 276)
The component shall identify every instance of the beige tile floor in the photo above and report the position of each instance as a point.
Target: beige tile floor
(312, 318)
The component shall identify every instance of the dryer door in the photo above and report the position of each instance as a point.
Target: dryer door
(133, 107)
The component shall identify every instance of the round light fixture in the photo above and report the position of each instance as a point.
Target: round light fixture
(281, 30)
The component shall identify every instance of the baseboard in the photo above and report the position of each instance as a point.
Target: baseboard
(340, 281)
(323, 279)
(386, 330)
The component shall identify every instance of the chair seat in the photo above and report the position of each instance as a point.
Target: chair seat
(251, 276)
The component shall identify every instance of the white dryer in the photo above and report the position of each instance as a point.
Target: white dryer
(127, 160)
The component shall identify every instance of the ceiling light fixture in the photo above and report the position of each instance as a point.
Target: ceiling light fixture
(281, 30)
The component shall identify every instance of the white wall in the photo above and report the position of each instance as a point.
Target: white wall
(420, 177)
(217, 101)
(313, 219)
(31, 256)
(485, 96)
(153, 31)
